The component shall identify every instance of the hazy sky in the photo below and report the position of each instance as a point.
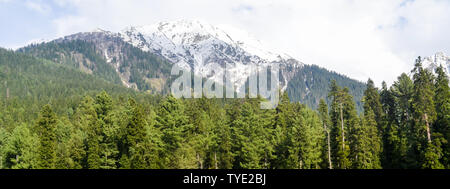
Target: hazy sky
(360, 38)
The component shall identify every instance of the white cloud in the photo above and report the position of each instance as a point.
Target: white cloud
(38, 6)
(362, 39)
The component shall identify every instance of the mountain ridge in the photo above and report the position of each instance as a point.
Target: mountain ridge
(142, 63)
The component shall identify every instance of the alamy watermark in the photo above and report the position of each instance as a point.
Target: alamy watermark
(221, 83)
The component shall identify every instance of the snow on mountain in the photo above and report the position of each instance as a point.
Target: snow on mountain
(197, 45)
(433, 62)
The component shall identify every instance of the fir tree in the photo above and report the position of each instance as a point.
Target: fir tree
(135, 140)
(20, 149)
(46, 127)
(343, 118)
(442, 101)
(311, 139)
(173, 123)
(369, 144)
(400, 135)
(424, 115)
(107, 132)
(325, 118)
(285, 118)
(88, 121)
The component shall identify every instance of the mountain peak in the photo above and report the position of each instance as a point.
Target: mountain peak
(439, 58)
(200, 46)
(99, 30)
(185, 33)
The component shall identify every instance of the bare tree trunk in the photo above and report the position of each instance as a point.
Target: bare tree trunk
(215, 159)
(330, 166)
(428, 128)
(199, 161)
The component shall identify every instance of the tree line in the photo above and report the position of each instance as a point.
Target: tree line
(403, 126)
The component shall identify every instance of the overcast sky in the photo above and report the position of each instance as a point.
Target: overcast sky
(359, 38)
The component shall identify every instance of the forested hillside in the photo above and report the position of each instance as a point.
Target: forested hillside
(28, 83)
(54, 116)
(308, 84)
(77, 54)
(124, 64)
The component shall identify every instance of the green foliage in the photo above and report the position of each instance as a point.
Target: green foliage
(20, 149)
(173, 122)
(46, 130)
(424, 110)
(344, 125)
(325, 118)
(251, 131)
(397, 136)
(98, 125)
(368, 144)
(442, 102)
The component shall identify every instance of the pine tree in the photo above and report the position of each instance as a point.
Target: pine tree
(20, 149)
(311, 139)
(136, 145)
(224, 156)
(325, 118)
(390, 132)
(368, 148)
(400, 136)
(64, 131)
(285, 118)
(442, 124)
(251, 131)
(343, 118)
(173, 123)
(46, 127)
(3, 140)
(372, 99)
(233, 112)
(76, 148)
(201, 114)
(88, 122)
(424, 115)
(106, 132)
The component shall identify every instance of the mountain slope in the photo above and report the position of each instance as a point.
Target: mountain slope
(311, 84)
(78, 54)
(197, 45)
(33, 82)
(143, 56)
(104, 54)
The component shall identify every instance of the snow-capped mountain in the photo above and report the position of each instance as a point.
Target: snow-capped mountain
(432, 62)
(197, 45)
(142, 57)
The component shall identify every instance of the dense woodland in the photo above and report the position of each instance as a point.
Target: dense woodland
(53, 116)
